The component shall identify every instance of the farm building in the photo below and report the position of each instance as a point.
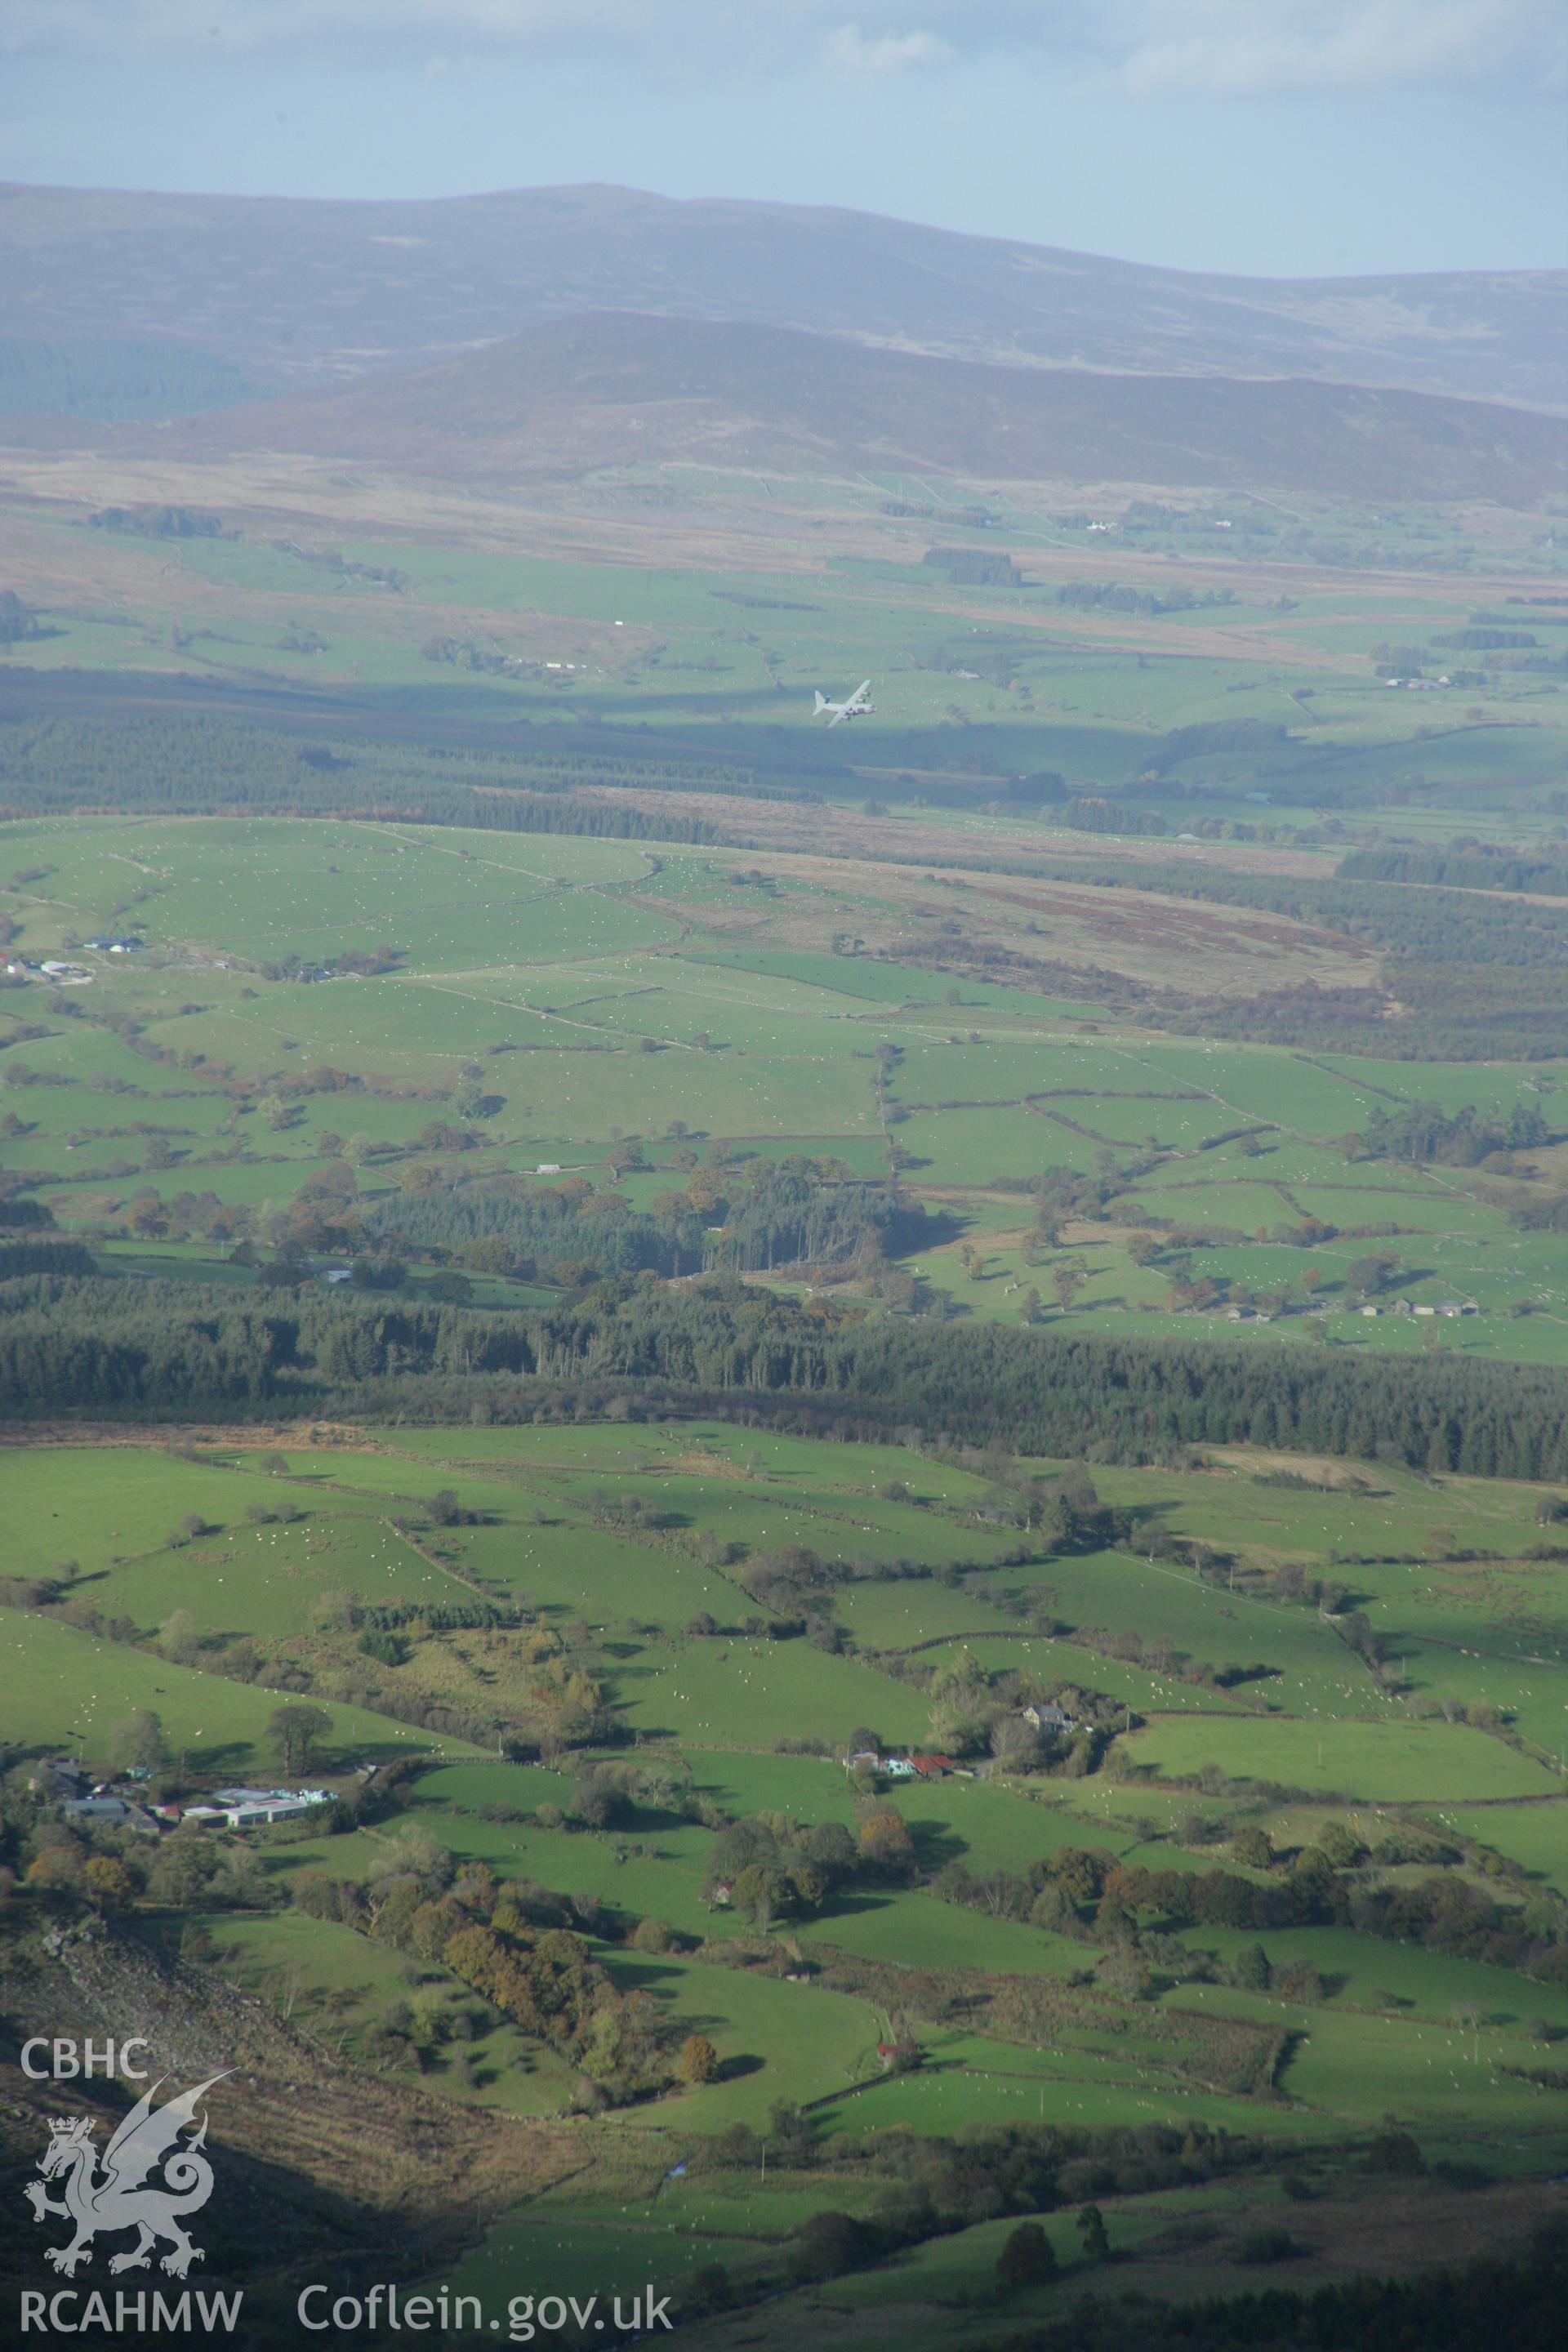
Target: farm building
(1048, 1716)
(256, 1808)
(109, 1813)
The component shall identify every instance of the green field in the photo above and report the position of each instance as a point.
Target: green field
(1375, 1761)
(64, 1687)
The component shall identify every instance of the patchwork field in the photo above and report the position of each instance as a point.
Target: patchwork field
(528, 1170)
(584, 994)
(1323, 1787)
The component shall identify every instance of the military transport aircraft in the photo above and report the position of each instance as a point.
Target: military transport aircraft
(858, 705)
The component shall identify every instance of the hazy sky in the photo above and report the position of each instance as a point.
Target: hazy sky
(1284, 137)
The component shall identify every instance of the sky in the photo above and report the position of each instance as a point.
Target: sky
(1281, 138)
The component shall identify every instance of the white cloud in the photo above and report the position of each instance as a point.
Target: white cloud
(1235, 47)
(1151, 49)
(874, 57)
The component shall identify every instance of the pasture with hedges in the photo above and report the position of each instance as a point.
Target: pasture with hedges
(1284, 1877)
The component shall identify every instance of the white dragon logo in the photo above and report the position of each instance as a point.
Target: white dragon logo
(115, 2198)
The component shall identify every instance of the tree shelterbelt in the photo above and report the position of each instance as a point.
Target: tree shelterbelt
(101, 1347)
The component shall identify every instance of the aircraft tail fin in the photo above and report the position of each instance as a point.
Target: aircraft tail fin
(821, 702)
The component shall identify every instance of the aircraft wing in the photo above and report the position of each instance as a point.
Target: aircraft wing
(852, 704)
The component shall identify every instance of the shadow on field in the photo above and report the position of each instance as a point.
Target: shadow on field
(936, 1843)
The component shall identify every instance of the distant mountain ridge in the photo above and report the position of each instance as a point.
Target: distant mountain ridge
(312, 290)
(613, 388)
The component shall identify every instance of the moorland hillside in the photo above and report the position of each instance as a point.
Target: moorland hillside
(311, 291)
(615, 387)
